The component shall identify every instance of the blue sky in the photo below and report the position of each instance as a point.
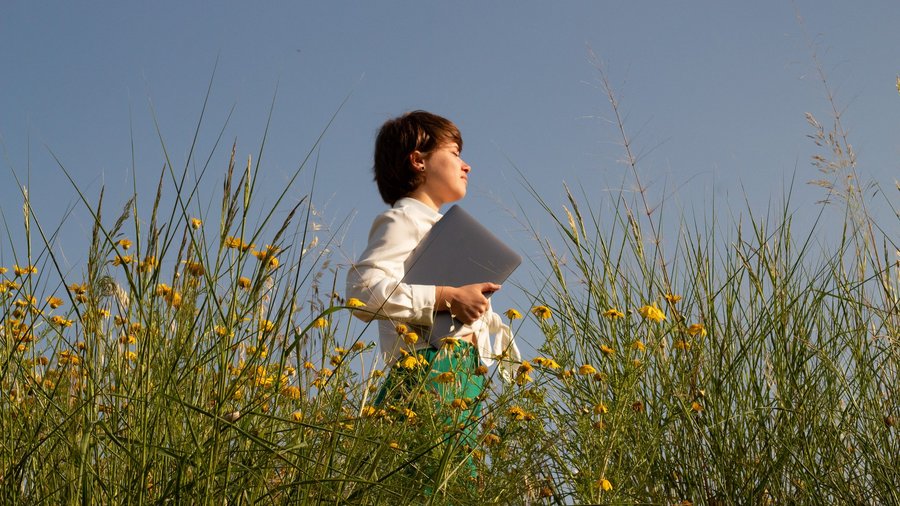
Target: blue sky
(713, 93)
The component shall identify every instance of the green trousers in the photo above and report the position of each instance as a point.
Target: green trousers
(406, 386)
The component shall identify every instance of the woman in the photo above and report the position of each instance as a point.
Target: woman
(418, 169)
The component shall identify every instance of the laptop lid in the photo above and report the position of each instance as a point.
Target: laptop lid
(457, 251)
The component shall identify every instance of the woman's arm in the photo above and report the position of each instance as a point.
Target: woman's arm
(376, 278)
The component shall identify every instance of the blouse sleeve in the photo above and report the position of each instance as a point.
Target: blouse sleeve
(376, 279)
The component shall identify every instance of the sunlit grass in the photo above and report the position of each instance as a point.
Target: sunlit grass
(201, 359)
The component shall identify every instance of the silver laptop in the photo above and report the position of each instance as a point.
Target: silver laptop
(458, 251)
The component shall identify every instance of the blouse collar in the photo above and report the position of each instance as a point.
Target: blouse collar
(418, 206)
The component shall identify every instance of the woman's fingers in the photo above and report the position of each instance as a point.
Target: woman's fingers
(489, 287)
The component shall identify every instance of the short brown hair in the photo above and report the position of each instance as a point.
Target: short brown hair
(398, 137)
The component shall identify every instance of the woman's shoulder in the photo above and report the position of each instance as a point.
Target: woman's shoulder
(407, 212)
(394, 215)
(395, 222)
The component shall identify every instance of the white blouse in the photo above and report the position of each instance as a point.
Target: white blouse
(377, 280)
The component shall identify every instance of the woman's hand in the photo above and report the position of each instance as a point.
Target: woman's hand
(466, 303)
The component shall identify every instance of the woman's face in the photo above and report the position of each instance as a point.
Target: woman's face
(446, 176)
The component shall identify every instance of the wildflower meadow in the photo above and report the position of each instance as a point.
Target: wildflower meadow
(211, 359)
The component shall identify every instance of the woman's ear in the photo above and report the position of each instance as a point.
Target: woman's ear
(417, 161)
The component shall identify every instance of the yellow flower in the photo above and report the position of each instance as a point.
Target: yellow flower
(604, 484)
(697, 329)
(358, 346)
(368, 411)
(408, 362)
(3, 270)
(148, 264)
(450, 341)
(309, 365)
(268, 256)
(174, 299)
(262, 379)
(244, 282)
(516, 413)
(672, 297)
(23, 303)
(652, 313)
(491, 439)
(124, 243)
(122, 260)
(613, 314)
(606, 350)
(601, 409)
(459, 404)
(320, 323)
(220, 330)
(401, 329)
(196, 223)
(696, 407)
(586, 369)
(481, 370)
(355, 303)
(60, 321)
(682, 345)
(525, 368)
(410, 338)
(127, 339)
(291, 392)
(639, 346)
(546, 362)
(409, 414)
(262, 351)
(512, 314)
(163, 289)
(445, 378)
(266, 325)
(297, 416)
(24, 271)
(104, 313)
(67, 357)
(130, 356)
(542, 312)
(194, 268)
(237, 243)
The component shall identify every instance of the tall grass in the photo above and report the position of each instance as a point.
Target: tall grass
(205, 359)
